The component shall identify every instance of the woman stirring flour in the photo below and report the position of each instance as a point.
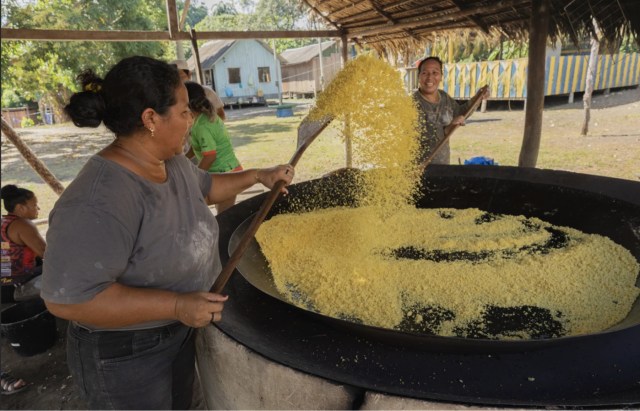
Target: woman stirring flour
(436, 111)
(132, 245)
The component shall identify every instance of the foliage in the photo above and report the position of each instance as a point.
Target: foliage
(195, 14)
(38, 70)
(11, 99)
(260, 15)
(26, 122)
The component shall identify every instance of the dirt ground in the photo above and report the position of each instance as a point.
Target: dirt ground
(615, 123)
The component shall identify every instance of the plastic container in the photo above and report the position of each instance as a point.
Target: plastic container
(284, 110)
(29, 327)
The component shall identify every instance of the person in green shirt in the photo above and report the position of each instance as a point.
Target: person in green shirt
(210, 142)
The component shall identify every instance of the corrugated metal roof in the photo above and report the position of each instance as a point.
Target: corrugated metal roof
(212, 51)
(304, 54)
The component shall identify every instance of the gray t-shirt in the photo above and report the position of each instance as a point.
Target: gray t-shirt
(432, 119)
(111, 225)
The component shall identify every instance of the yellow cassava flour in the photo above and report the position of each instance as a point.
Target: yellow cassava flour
(345, 262)
(444, 271)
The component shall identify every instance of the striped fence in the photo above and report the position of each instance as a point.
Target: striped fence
(507, 79)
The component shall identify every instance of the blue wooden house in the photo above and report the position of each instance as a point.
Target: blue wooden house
(240, 71)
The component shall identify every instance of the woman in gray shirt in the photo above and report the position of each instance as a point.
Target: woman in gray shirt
(436, 111)
(132, 245)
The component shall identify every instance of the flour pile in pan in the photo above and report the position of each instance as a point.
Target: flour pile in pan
(450, 272)
(447, 272)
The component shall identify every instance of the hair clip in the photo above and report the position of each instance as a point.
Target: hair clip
(93, 87)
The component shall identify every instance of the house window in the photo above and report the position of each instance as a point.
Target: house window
(208, 77)
(234, 75)
(264, 75)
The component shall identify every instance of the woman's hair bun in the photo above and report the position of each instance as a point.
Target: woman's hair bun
(86, 108)
(9, 190)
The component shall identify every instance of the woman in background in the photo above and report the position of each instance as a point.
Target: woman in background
(210, 142)
(436, 110)
(26, 245)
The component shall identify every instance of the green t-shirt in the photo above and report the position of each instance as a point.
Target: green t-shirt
(208, 137)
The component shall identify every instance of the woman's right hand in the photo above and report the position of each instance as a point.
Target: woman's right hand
(199, 309)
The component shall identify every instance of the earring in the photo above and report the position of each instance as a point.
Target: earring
(152, 131)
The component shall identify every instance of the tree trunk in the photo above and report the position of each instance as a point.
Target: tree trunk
(591, 79)
(32, 159)
(538, 32)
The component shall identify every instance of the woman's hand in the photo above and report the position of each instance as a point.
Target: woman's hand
(199, 309)
(459, 121)
(270, 176)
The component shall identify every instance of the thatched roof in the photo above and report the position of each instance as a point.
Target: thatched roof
(406, 24)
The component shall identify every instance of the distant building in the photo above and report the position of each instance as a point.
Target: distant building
(301, 74)
(240, 71)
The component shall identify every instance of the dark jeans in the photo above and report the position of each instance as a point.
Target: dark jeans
(144, 369)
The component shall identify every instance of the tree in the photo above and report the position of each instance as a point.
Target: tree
(45, 71)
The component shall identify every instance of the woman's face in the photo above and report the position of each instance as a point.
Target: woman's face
(430, 77)
(173, 128)
(29, 209)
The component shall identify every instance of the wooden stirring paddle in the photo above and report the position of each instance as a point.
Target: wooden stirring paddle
(448, 131)
(308, 130)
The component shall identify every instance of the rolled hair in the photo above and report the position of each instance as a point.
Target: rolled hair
(432, 58)
(198, 101)
(130, 87)
(14, 195)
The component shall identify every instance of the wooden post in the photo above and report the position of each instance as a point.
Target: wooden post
(32, 159)
(196, 54)
(588, 92)
(538, 32)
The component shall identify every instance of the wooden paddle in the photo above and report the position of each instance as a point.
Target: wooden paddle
(308, 130)
(448, 131)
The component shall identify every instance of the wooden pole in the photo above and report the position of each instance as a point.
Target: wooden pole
(32, 159)
(538, 32)
(588, 92)
(183, 18)
(196, 53)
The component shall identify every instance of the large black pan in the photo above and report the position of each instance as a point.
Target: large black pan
(605, 206)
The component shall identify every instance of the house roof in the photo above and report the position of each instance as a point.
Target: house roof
(212, 51)
(304, 54)
(406, 24)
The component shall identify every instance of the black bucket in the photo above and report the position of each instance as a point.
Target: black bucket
(29, 327)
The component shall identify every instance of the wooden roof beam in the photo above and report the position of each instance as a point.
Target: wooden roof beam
(390, 19)
(448, 17)
(422, 13)
(415, 10)
(319, 13)
(473, 18)
(172, 18)
(102, 35)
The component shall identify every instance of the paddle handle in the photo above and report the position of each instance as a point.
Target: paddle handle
(268, 202)
(227, 270)
(448, 131)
